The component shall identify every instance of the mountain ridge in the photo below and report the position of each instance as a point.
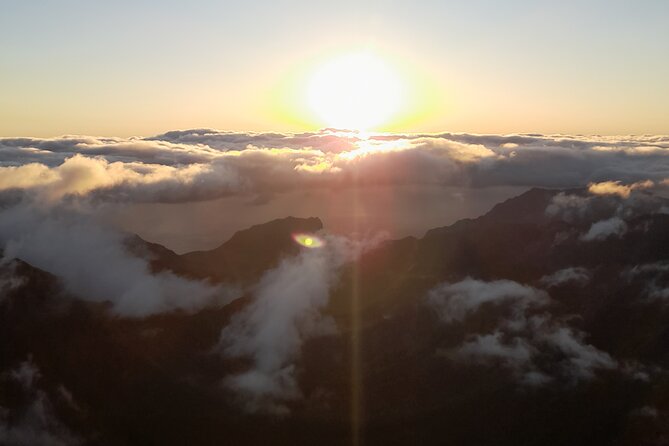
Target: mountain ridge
(133, 377)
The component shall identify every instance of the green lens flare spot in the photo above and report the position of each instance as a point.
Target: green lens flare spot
(308, 240)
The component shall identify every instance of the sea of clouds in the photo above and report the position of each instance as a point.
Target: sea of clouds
(203, 164)
(54, 193)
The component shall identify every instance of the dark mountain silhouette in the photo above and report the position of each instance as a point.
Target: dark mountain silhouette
(242, 258)
(156, 380)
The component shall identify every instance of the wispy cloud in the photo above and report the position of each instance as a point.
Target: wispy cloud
(91, 259)
(36, 423)
(286, 310)
(524, 336)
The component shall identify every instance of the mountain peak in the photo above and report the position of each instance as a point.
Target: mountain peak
(528, 207)
(246, 255)
(278, 228)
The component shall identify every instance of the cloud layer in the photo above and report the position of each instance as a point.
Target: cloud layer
(49, 188)
(204, 164)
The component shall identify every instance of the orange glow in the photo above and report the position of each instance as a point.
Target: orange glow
(362, 89)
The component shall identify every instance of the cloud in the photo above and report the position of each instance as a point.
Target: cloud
(93, 263)
(527, 340)
(9, 280)
(607, 209)
(286, 310)
(575, 275)
(515, 354)
(604, 229)
(583, 359)
(35, 423)
(573, 208)
(49, 189)
(645, 411)
(455, 301)
(654, 278)
(72, 173)
(203, 164)
(97, 178)
(53, 151)
(659, 267)
(615, 188)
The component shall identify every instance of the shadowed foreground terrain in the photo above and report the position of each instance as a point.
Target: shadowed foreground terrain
(543, 322)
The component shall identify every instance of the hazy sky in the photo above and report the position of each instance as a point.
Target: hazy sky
(142, 67)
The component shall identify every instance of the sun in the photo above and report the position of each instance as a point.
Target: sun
(355, 91)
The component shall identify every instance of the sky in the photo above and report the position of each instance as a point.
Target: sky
(143, 67)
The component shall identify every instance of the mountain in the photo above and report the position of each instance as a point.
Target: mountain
(555, 332)
(241, 259)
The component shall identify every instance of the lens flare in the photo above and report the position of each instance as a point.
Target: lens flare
(310, 241)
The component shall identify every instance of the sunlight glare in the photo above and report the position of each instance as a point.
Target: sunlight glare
(308, 240)
(355, 91)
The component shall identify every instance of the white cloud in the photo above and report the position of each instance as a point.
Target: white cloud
(583, 358)
(37, 424)
(9, 280)
(654, 277)
(523, 338)
(616, 188)
(455, 301)
(286, 311)
(607, 208)
(604, 229)
(204, 164)
(573, 275)
(93, 263)
(86, 177)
